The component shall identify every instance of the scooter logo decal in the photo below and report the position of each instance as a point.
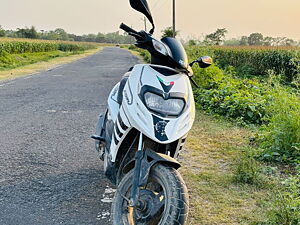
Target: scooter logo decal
(160, 128)
(167, 86)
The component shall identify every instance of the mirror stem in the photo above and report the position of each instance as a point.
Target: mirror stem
(194, 82)
(192, 63)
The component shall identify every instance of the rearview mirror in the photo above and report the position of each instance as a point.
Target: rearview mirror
(204, 61)
(142, 6)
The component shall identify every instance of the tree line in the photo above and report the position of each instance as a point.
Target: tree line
(254, 39)
(216, 38)
(61, 34)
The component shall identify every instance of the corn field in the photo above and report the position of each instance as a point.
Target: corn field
(18, 46)
(254, 60)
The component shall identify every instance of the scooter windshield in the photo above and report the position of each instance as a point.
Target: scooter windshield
(178, 52)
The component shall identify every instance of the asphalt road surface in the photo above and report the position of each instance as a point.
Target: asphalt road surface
(49, 170)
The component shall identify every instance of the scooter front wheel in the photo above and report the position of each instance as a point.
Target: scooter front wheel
(163, 201)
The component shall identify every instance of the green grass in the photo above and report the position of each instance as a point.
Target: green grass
(19, 45)
(20, 52)
(210, 162)
(11, 61)
(50, 60)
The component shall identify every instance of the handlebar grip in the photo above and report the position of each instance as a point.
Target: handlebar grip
(127, 28)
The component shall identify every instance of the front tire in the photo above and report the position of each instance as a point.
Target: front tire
(164, 183)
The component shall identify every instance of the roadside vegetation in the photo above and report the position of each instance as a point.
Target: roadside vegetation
(244, 150)
(16, 55)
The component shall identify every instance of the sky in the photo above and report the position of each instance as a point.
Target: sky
(194, 18)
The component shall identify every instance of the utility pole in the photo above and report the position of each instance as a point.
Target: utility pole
(145, 21)
(174, 19)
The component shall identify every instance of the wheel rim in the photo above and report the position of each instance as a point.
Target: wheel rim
(151, 204)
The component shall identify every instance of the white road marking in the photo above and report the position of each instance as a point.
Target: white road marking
(108, 195)
(57, 75)
(109, 191)
(107, 198)
(103, 215)
(51, 111)
(7, 83)
(2, 180)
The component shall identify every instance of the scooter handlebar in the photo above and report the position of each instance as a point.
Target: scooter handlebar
(127, 29)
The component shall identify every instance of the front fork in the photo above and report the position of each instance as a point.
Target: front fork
(137, 174)
(135, 189)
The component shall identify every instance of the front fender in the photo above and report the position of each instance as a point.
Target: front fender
(150, 158)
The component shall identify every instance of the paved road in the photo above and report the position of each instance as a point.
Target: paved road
(49, 171)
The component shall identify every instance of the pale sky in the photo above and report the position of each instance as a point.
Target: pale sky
(194, 17)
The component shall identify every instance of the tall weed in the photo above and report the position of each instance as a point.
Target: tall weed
(247, 169)
(280, 135)
(286, 207)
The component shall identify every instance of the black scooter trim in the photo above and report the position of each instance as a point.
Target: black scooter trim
(148, 160)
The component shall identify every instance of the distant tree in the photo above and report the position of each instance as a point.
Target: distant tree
(2, 32)
(255, 39)
(100, 38)
(289, 42)
(21, 33)
(168, 32)
(231, 42)
(32, 33)
(216, 38)
(62, 34)
(74, 37)
(244, 40)
(11, 33)
(268, 41)
(51, 35)
(27, 33)
(128, 39)
(89, 37)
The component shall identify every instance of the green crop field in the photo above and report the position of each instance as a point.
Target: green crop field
(19, 52)
(15, 46)
(253, 60)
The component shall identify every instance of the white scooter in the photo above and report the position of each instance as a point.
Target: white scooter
(150, 112)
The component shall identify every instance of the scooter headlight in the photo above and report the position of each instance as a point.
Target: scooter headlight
(170, 107)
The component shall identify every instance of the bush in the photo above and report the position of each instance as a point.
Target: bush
(280, 136)
(244, 100)
(286, 207)
(248, 170)
(250, 101)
